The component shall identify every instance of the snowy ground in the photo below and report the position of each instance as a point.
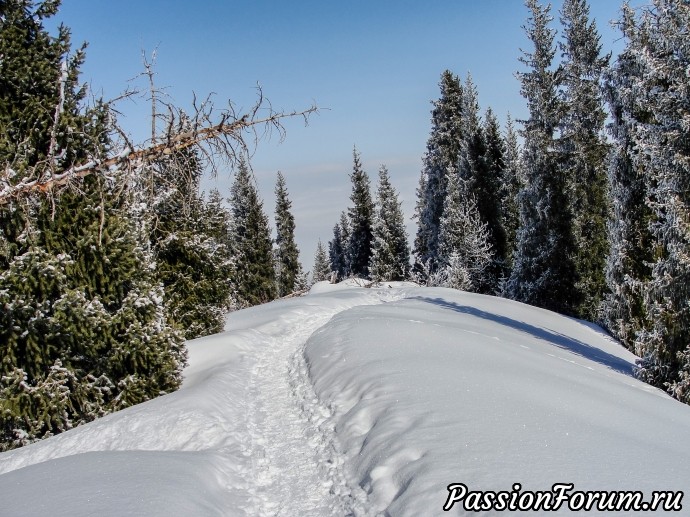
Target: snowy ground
(353, 401)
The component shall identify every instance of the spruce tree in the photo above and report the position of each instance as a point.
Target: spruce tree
(628, 265)
(390, 258)
(656, 75)
(338, 248)
(288, 267)
(322, 268)
(464, 242)
(82, 327)
(255, 276)
(480, 167)
(584, 151)
(442, 151)
(497, 205)
(345, 234)
(511, 186)
(189, 239)
(543, 271)
(361, 217)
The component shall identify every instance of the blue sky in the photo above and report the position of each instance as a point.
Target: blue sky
(373, 66)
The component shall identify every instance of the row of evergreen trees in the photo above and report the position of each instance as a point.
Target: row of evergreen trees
(100, 285)
(262, 273)
(370, 240)
(648, 268)
(604, 226)
(580, 220)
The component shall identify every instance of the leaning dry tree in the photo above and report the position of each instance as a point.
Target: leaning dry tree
(219, 135)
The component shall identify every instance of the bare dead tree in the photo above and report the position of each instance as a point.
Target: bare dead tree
(150, 73)
(220, 135)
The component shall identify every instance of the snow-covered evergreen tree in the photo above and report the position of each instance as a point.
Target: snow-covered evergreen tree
(628, 265)
(361, 217)
(189, 239)
(338, 248)
(495, 184)
(390, 258)
(251, 235)
(511, 186)
(83, 330)
(543, 271)
(463, 241)
(584, 151)
(657, 125)
(480, 167)
(288, 267)
(442, 151)
(322, 268)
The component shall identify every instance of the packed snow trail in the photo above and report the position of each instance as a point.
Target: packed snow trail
(296, 463)
(294, 468)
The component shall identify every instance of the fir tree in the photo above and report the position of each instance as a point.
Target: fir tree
(322, 268)
(338, 248)
(463, 242)
(288, 267)
(583, 152)
(480, 167)
(659, 52)
(255, 275)
(497, 204)
(511, 186)
(189, 239)
(442, 151)
(631, 253)
(361, 216)
(543, 272)
(390, 258)
(83, 329)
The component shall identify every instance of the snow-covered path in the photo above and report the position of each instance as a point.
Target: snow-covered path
(297, 467)
(294, 465)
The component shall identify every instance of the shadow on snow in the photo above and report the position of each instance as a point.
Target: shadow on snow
(560, 340)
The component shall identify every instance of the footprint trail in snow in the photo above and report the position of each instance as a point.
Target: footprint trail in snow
(296, 464)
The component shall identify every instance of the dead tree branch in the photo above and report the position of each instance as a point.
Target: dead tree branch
(222, 134)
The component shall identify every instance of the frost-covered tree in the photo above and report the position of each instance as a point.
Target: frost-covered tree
(189, 237)
(480, 166)
(463, 241)
(82, 301)
(654, 91)
(584, 151)
(543, 270)
(628, 265)
(322, 268)
(390, 258)
(471, 165)
(288, 267)
(495, 188)
(361, 218)
(442, 151)
(83, 329)
(511, 186)
(338, 248)
(251, 235)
